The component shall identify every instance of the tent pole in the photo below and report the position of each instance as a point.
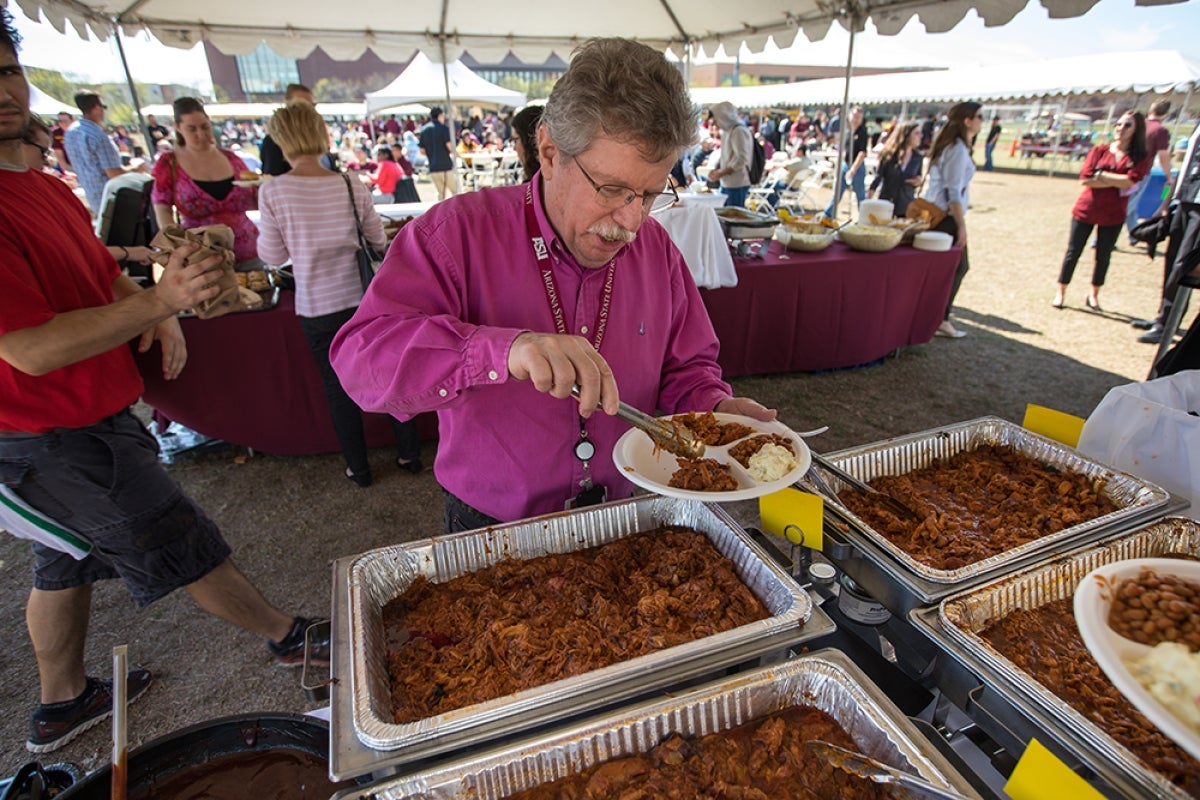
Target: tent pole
(450, 113)
(1187, 98)
(845, 134)
(133, 95)
(1062, 116)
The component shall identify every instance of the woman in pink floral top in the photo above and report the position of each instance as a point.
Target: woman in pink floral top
(197, 179)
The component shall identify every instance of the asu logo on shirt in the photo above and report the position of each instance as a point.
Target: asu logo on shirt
(540, 250)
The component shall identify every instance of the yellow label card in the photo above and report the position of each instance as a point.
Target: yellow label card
(1040, 775)
(794, 515)
(1057, 425)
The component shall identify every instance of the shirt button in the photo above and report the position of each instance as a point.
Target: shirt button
(492, 375)
(583, 329)
(442, 392)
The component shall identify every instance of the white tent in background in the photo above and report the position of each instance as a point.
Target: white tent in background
(1158, 71)
(264, 110)
(46, 106)
(425, 81)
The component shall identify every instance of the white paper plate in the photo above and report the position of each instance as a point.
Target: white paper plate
(651, 468)
(1093, 597)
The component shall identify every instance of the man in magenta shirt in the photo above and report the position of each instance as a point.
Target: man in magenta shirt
(492, 305)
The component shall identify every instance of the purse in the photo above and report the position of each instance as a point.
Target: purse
(920, 208)
(368, 257)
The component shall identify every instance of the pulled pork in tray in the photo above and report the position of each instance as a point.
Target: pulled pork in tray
(705, 475)
(520, 624)
(707, 429)
(756, 761)
(978, 504)
(742, 451)
(1045, 643)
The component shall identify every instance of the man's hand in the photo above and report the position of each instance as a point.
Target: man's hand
(747, 408)
(557, 362)
(180, 287)
(174, 349)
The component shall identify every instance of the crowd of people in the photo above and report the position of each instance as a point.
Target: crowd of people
(588, 300)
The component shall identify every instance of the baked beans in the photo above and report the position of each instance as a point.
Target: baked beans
(1153, 608)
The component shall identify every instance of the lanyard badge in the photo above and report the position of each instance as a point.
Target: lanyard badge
(584, 449)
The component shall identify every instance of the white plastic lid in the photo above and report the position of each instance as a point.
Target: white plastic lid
(822, 572)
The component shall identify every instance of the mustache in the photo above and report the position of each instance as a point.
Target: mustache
(612, 232)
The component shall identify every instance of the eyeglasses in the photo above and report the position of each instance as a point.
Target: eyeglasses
(613, 196)
(45, 151)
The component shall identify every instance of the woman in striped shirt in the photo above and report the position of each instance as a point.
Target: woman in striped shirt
(307, 216)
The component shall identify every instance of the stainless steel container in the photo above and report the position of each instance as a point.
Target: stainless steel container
(373, 579)
(826, 680)
(741, 223)
(902, 583)
(960, 620)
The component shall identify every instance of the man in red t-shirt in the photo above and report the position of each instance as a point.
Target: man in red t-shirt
(75, 464)
(1158, 142)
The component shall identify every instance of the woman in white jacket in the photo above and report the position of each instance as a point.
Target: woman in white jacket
(950, 171)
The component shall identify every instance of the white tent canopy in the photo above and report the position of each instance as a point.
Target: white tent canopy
(46, 106)
(444, 28)
(425, 81)
(1159, 71)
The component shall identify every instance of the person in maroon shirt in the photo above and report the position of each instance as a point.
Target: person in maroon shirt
(1109, 172)
(1158, 146)
(57, 134)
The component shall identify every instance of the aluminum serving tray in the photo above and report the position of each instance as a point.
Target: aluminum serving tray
(1138, 501)
(964, 616)
(827, 680)
(377, 577)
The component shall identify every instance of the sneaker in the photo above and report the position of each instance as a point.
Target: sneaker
(1142, 324)
(1152, 336)
(289, 652)
(53, 725)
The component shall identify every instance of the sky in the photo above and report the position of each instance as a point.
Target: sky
(1111, 26)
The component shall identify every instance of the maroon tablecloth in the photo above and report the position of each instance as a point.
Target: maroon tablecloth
(251, 380)
(797, 312)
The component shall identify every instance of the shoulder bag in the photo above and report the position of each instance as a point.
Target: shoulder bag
(368, 258)
(922, 209)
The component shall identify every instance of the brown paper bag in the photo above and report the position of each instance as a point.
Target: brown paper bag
(213, 239)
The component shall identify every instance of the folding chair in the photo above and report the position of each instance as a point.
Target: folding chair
(126, 218)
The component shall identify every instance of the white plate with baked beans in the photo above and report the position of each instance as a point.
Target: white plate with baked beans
(1123, 610)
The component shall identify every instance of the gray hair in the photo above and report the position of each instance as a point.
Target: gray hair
(625, 90)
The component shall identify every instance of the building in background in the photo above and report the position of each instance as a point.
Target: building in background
(262, 76)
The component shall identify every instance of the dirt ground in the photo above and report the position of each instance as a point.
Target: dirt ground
(287, 518)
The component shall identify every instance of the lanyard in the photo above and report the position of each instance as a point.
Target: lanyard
(541, 254)
(583, 448)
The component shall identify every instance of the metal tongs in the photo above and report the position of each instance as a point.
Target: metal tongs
(864, 767)
(892, 504)
(670, 437)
